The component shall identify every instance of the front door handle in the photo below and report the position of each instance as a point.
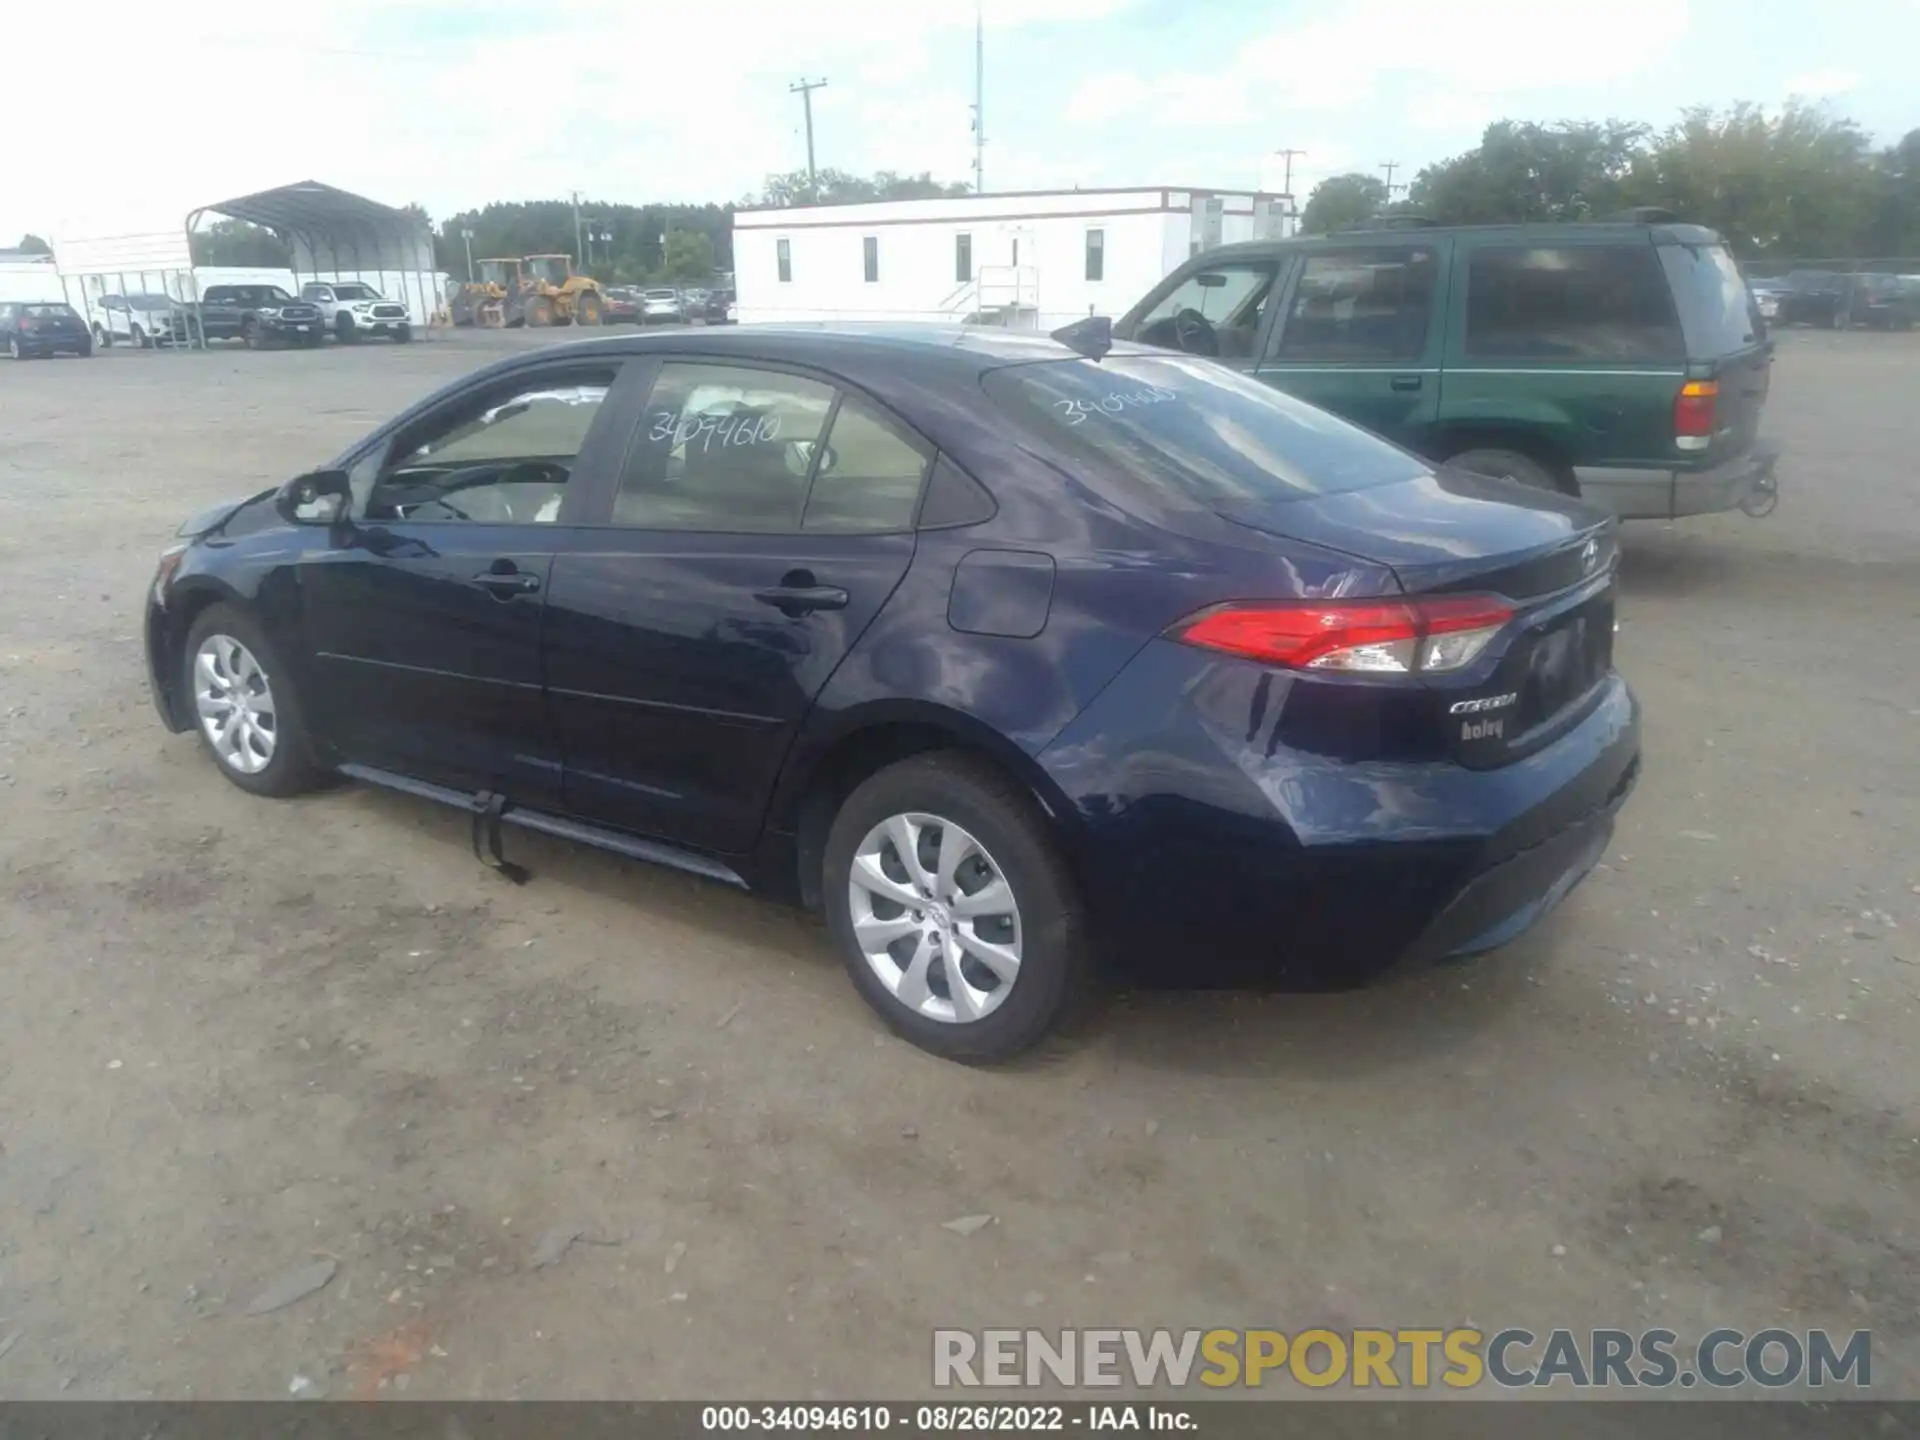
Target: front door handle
(505, 584)
(802, 599)
(1406, 382)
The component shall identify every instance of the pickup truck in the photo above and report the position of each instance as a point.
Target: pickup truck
(352, 309)
(259, 315)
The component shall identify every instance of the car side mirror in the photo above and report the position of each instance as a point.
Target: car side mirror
(321, 497)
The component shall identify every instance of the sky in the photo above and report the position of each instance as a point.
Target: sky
(452, 103)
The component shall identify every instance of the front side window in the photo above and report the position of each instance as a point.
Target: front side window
(1584, 303)
(1370, 303)
(783, 255)
(870, 257)
(1215, 311)
(1096, 254)
(504, 459)
(726, 448)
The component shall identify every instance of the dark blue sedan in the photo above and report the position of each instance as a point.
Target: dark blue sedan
(1009, 653)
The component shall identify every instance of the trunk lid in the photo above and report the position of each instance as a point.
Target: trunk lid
(1549, 555)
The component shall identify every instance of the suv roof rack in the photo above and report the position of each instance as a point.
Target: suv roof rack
(1392, 222)
(1643, 215)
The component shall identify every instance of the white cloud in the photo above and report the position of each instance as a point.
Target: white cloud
(1820, 84)
(455, 104)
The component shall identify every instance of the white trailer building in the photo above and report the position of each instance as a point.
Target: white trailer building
(1031, 260)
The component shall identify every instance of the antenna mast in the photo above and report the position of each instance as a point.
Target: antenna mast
(979, 97)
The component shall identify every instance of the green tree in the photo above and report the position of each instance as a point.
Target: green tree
(239, 242)
(1342, 201)
(689, 256)
(1573, 170)
(1896, 224)
(1800, 183)
(838, 187)
(31, 244)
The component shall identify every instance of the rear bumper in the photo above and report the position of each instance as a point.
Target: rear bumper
(1207, 850)
(1750, 482)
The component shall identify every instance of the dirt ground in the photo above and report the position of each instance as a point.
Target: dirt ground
(239, 1036)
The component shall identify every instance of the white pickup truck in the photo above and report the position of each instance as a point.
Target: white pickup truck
(353, 309)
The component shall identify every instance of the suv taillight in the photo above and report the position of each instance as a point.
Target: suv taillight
(1693, 414)
(1379, 637)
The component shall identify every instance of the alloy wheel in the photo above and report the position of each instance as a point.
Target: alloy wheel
(235, 702)
(935, 918)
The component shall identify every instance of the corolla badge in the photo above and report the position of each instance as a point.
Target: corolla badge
(1483, 704)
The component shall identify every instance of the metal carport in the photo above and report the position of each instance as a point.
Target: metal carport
(337, 235)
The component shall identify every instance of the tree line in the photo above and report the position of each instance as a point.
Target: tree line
(616, 243)
(1798, 183)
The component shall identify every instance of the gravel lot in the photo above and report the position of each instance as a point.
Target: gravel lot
(238, 1036)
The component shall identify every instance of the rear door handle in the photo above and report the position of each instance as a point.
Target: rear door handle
(800, 599)
(1406, 382)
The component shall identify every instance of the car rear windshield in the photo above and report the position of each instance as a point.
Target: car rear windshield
(1716, 312)
(1206, 433)
(49, 312)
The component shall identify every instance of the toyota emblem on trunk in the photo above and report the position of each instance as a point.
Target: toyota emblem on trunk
(1589, 556)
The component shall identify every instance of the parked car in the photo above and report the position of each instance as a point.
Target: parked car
(1879, 302)
(1008, 654)
(351, 309)
(662, 305)
(32, 328)
(1766, 297)
(718, 308)
(621, 306)
(1617, 361)
(143, 320)
(1812, 297)
(260, 315)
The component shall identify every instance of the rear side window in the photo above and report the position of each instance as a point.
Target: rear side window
(1362, 304)
(1716, 311)
(1195, 430)
(868, 476)
(726, 448)
(1593, 303)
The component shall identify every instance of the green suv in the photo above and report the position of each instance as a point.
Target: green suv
(1625, 362)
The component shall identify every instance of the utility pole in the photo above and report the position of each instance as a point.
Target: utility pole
(466, 234)
(1286, 156)
(578, 249)
(805, 91)
(979, 98)
(1389, 166)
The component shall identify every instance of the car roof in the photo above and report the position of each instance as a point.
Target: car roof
(957, 349)
(1534, 233)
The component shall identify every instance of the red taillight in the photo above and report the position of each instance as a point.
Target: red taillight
(27, 322)
(1693, 414)
(1386, 637)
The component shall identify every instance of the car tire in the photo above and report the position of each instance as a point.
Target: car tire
(141, 340)
(343, 329)
(13, 348)
(1512, 465)
(403, 336)
(250, 335)
(274, 758)
(1002, 844)
(102, 337)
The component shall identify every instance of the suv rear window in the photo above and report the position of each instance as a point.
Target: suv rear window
(1714, 304)
(1580, 303)
(1201, 431)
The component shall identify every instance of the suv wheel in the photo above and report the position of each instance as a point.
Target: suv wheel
(343, 328)
(1512, 465)
(953, 910)
(244, 707)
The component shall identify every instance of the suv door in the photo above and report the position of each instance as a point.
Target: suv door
(424, 613)
(1359, 332)
(761, 519)
(1219, 307)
